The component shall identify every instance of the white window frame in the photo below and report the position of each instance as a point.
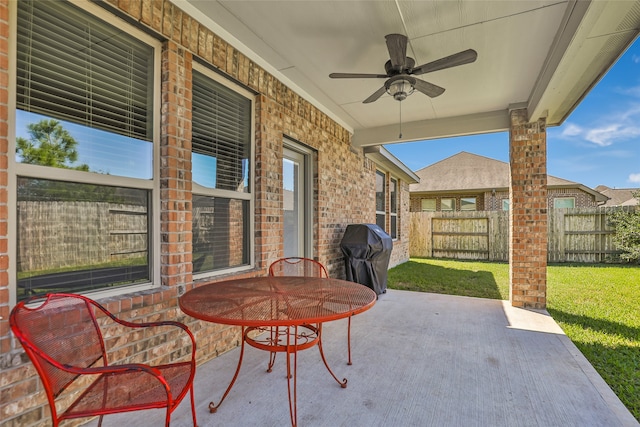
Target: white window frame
(393, 210)
(249, 196)
(382, 213)
(306, 180)
(435, 205)
(453, 204)
(467, 200)
(557, 200)
(16, 169)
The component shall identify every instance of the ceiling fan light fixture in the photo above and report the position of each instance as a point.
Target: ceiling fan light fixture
(400, 89)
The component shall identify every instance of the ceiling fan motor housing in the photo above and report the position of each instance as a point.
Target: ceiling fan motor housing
(406, 68)
(400, 86)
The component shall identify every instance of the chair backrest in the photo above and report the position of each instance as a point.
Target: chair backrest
(60, 332)
(297, 266)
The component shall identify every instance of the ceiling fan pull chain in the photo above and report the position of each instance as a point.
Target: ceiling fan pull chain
(400, 136)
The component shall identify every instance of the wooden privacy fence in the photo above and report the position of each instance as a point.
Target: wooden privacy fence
(60, 234)
(574, 235)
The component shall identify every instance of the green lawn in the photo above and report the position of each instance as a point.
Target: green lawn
(597, 306)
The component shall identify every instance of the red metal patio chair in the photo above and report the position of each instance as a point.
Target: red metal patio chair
(300, 266)
(61, 335)
(297, 266)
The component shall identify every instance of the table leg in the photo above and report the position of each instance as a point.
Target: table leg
(212, 406)
(293, 348)
(342, 383)
(349, 340)
(275, 335)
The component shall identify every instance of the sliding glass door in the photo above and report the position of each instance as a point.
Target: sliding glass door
(296, 181)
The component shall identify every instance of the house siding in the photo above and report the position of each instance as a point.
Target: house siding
(344, 193)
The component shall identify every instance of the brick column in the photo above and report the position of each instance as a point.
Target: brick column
(528, 212)
(175, 167)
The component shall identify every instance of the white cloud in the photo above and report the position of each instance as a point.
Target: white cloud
(610, 134)
(602, 136)
(632, 91)
(635, 178)
(571, 130)
(616, 127)
(635, 59)
(632, 111)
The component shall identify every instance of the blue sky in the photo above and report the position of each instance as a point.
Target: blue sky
(599, 143)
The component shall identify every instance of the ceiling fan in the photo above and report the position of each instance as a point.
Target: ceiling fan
(400, 70)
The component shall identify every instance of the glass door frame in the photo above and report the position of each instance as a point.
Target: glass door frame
(306, 156)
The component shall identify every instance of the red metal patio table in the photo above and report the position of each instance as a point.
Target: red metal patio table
(292, 309)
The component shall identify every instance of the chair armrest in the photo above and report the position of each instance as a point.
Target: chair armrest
(129, 324)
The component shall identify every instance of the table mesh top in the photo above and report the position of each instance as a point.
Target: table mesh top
(274, 301)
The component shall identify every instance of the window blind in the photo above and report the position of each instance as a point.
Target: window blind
(221, 128)
(393, 196)
(73, 67)
(220, 233)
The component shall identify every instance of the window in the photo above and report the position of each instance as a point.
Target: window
(221, 170)
(87, 84)
(85, 111)
(505, 204)
(447, 204)
(564, 202)
(468, 204)
(393, 209)
(380, 200)
(80, 237)
(428, 205)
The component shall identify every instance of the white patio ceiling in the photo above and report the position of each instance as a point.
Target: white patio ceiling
(544, 55)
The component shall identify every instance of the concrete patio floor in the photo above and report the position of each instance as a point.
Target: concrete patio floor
(418, 360)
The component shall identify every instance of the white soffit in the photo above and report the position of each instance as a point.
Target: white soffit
(545, 54)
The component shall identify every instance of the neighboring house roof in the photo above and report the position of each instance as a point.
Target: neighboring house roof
(618, 196)
(630, 202)
(471, 172)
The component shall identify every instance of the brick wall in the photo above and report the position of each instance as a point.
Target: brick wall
(528, 212)
(344, 192)
(401, 244)
(175, 166)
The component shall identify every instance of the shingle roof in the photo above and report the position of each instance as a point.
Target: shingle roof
(467, 171)
(470, 172)
(618, 196)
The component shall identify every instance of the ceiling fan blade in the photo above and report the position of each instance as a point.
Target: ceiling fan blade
(397, 46)
(374, 97)
(460, 58)
(357, 76)
(428, 89)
